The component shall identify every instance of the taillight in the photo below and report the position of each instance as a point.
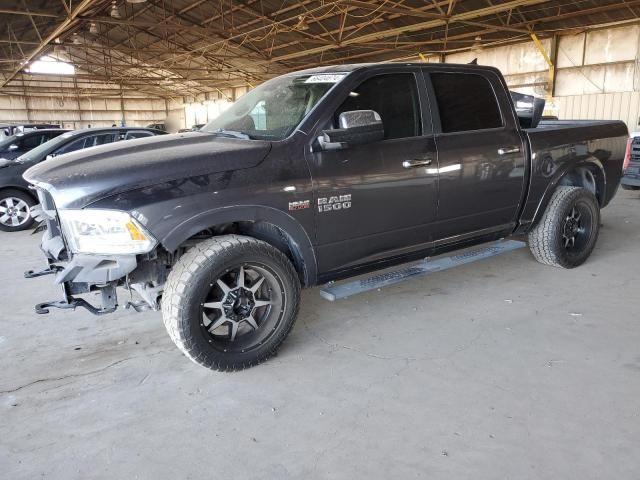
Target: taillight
(627, 155)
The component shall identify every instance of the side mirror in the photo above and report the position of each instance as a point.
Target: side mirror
(357, 127)
(50, 156)
(13, 146)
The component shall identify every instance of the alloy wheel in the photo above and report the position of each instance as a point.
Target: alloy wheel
(14, 212)
(242, 308)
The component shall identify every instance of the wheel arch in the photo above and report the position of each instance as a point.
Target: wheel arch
(588, 173)
(20, 188)
(264, 223)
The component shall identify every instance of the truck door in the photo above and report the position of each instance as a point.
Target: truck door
(378, 199)
(481, 154)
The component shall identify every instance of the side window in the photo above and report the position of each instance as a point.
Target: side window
(102, 139)
(71, 146)
(137, 134)
(32, 141)
(259, 115)
(466, 101)
(394, 97)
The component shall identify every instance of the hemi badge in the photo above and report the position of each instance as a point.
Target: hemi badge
(301, 205)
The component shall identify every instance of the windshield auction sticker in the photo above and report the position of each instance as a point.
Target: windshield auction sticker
(326, 78)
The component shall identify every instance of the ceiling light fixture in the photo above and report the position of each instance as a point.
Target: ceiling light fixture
(115, 13)
(477, 44)
(136, 1)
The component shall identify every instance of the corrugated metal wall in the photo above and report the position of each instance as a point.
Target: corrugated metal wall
(623, 106)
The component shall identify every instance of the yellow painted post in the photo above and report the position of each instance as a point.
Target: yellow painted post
(547, 59)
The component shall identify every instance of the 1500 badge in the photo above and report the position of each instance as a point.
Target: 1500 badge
(330, 204)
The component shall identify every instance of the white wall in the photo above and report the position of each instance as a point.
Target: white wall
(78, 112)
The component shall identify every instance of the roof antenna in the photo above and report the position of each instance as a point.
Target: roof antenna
(473, 62)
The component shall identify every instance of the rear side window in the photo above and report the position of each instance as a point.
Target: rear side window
(103, 139)
(32, 141)
(86, 142)
(137, 134)
(466, 102)
(394, 97)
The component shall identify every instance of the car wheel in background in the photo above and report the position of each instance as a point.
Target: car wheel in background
(14, 210)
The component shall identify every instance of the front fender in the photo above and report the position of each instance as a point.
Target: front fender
(247, 213)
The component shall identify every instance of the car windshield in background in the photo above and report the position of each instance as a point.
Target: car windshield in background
(273, 110)
(44, 149)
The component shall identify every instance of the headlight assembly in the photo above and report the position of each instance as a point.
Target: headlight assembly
(104, 232)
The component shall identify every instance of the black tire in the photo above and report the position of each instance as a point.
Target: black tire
(264, 310)
(568, 230)
(629, 187)
(12, 210)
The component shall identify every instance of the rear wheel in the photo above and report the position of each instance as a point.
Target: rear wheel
(14, 210)
(230, 302)
(568, 230)
(630, 187)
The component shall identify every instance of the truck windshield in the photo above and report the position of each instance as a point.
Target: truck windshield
(273, 110)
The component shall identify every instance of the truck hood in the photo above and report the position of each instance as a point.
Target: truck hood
(77, 179)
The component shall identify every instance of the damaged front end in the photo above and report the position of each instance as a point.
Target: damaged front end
(79, 272)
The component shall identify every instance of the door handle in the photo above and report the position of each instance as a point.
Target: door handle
(416, 163)
(508, 150)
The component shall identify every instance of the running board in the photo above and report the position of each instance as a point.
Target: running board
(333, 292)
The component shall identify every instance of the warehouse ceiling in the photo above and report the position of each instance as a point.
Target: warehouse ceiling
(188, 47)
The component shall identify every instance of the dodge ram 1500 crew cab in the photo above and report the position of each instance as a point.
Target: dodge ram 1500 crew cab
(316, 176)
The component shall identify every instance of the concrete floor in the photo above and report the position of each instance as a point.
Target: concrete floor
(500, 369)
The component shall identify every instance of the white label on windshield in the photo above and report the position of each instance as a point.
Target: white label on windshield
(326, 78)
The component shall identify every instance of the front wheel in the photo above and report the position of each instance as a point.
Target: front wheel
(230, 302)
(630, 187)
(567, 232)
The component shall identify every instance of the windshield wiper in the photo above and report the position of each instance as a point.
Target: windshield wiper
(231, 133)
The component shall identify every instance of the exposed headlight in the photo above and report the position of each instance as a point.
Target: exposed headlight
(104, 232)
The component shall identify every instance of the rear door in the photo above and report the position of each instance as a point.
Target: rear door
(368, 205)
(481, 154)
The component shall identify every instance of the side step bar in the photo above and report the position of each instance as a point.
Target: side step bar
(333, 292)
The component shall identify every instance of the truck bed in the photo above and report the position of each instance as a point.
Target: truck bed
(557, 145)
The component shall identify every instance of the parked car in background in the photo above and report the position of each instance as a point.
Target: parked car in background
(631, 177)
(15, 196)
(158, 126)
(7, 129)
(15, 145)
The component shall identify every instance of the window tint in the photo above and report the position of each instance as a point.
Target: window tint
(32, 141)
(394, 97)
(71, 147)
(86, 142)
(103, 139)
(137, 134)
(465, 102)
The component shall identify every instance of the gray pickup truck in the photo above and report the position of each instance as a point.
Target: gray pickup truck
(316, 176)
